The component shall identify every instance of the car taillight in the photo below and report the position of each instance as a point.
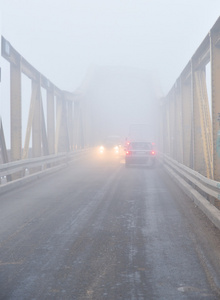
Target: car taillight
(153, 152)
(128, 152)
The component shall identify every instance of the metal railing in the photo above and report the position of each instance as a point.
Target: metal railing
(17, 170)
(203, 191)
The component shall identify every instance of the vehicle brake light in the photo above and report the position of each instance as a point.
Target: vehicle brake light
(153, 152)
(128, 152)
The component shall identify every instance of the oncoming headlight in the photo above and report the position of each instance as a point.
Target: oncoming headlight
(101, 149)
(116, 149)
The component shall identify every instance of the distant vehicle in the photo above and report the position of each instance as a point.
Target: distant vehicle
(140, 152)
(127, 142)
(111, 146)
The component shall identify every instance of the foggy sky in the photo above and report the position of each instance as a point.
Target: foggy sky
(62, 39)
(117, 97)
(139, 47)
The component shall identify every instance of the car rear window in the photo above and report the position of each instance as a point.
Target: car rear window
(140, 146)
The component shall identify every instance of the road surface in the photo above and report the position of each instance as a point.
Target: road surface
(98, 230)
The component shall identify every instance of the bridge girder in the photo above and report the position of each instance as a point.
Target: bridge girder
(57, 135)
(193, 131)
(215, 84)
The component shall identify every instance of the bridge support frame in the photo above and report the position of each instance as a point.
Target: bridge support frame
(51, 121)
(199, 145)
(16, 114)
(202, 125)
(215, 82)
(58, 135)
(186, 108)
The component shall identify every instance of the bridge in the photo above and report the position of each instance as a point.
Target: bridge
(76, 226)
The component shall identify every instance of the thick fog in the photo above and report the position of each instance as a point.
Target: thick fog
(122, 55)
(117, 97)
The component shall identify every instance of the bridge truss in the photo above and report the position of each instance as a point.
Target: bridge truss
(190, 121)
(63, 131)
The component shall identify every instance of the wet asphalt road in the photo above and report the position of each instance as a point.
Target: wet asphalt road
(98, 230)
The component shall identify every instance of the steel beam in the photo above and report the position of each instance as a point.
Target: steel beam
(166, 127)
(172, 122)
(64, 136)
(16, 111)
(163, 129)
(202, 162)
(51, 140)
(81, 130)
(76, 125)
(160, 137)
(3, 144)
(58, 122)
(186, 120)
(178, 123)
(36, 125)
(205, 124)
(215, 83)
(45, 147)
(202, 56)
(51, 121)
(30, 120)
(198, 154)
(70, 123)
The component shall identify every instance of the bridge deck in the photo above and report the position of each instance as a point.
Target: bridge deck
(97, 230)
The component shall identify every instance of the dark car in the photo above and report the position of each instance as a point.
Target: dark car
(140, 153)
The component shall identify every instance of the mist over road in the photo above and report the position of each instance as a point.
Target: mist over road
(98, 230)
